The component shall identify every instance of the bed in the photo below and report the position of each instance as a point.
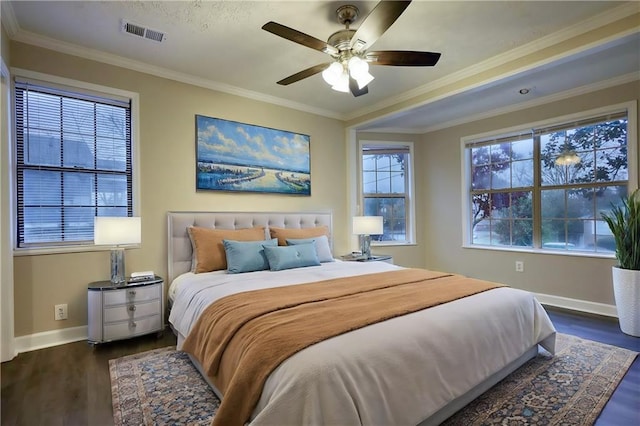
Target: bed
(411, 369)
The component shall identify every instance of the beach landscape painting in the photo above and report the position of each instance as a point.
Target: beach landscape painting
(234, 156)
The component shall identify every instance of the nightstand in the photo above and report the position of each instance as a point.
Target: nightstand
(374, 258)
(122, 311)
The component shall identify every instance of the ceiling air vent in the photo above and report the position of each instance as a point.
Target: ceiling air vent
(140, 31)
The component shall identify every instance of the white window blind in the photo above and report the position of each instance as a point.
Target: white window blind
(73, 162)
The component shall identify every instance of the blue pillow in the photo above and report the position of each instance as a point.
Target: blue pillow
(247, 256)
(322, 246)
(288, 257)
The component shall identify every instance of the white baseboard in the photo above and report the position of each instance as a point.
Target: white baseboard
(47, 339)
(578, 305)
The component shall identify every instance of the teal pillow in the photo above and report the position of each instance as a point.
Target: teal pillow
(322, 246)
(288, 257)
(247, 256)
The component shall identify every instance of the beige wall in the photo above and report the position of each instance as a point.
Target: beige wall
(584, 278)
(167, 154)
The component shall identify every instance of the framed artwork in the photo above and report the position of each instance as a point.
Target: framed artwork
(232, 156)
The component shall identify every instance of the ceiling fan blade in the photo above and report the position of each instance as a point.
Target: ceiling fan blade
(403, 58)
(298, 37)
(377, 22)
(304, 74)
(355, 90)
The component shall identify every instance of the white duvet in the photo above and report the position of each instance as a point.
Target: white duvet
(396, 372)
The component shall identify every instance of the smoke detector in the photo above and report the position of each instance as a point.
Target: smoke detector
(140, 31)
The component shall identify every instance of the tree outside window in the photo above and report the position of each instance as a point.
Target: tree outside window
(515, 177)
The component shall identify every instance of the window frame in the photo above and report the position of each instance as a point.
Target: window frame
(89, 89)
(409, 196)
(632, 165)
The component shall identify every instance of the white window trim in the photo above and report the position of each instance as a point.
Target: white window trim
(135, 155)
(632, 165)
(411, 222)
(7, 337)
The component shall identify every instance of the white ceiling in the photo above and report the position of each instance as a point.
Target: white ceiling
(220, 44)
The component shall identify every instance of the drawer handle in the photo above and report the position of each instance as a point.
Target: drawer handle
(132, 308)
(132, 292)
(133, 324)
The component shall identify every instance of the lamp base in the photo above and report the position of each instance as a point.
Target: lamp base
(366, 246)
(117, 265)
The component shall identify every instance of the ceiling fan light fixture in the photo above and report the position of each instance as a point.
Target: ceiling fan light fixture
(359, 70)
(333, 73)
(348, 48)
(342, 85)
(357, 66)
(363, 80)
(568, 158)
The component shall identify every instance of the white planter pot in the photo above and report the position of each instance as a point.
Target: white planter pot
(626, 289)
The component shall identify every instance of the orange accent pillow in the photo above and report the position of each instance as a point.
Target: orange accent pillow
(208, 249)
(297, 233)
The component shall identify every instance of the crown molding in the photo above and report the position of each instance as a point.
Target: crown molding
(119, 61)
(9, 19)
(567, 33)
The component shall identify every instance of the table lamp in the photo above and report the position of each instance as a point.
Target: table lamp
(116, 232)
(365, 226)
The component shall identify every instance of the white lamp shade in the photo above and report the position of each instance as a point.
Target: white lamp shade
(113, 231)
(359, 70)
(357, 67)
(367, 225)
(342, 85)
(332, 73)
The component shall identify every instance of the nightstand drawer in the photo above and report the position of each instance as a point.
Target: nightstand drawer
(124, 329)
(131, 311)
(133, 294)
(124, 310)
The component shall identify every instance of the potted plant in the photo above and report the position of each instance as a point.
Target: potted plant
(624, 222)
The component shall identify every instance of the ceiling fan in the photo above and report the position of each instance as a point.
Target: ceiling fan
(349, 70)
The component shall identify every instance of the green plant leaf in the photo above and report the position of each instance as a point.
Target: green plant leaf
(624, 222)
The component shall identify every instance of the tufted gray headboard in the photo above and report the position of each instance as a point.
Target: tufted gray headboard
(179, 244)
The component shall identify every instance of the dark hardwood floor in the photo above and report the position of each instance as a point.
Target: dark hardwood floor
(70, 385)
(67, 384)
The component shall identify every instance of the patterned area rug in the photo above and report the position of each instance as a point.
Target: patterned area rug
(161, 387)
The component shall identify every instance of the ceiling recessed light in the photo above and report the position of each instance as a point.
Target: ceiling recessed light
(523, 91)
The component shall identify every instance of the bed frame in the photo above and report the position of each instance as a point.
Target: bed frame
(179, 262)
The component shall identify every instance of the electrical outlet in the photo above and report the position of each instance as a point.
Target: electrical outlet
(519, 266)
(60, 312)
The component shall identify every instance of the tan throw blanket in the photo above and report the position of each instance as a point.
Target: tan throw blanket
(240, 339)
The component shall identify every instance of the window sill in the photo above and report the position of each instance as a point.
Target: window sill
(392, 244)
(62, 250)
(540, 251)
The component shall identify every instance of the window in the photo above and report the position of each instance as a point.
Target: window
(523, 195)
(73, 162)
(387, 189)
